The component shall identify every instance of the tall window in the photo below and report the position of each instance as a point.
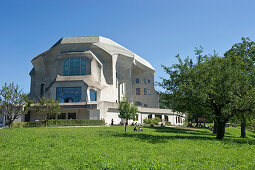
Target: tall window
(93, 95)
(145, 91)
(137, 81)
(138, 91)
(71, 115)
(68, 94)
(149, 92)
(144, 80)
(74, 66)
(149, 81)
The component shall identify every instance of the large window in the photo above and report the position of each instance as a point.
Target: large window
(137, 81)
(93, 95)
(74, 66)
(139, 103)
(138, 91)
(62, 116)
(145, 91)
(71, 115)
(68, 94)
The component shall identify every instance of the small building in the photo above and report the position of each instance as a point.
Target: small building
(90, 75)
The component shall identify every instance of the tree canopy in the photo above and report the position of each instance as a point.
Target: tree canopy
(13, 102)
(219, 87)
(127, 110)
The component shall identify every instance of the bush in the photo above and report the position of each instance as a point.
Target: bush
(168, 124)
(58, 122)
(156, 120)
(147, 121)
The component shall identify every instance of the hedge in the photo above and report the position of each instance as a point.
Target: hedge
(58, 122)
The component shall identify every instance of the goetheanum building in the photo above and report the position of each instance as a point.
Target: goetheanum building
(89, 76)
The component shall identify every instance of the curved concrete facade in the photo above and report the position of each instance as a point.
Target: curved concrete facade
(110, 72)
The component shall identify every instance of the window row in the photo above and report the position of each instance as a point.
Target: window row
(72, 94)
(140, 104)
(74, 66)
(137, 81)
(145, 91)
(64, 116)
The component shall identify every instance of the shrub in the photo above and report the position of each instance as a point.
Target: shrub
(156, 120)
(58, 122)
(147, 121)
(168, 124)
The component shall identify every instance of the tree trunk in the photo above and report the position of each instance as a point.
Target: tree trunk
(215, 127)
(126, 123)
(220, 130)
(243, 125)
(196, 122)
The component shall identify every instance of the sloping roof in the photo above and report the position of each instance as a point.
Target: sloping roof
(105, 43)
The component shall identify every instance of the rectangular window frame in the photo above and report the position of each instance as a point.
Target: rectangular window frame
(138, 91)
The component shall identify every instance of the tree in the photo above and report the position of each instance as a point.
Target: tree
(13, 102)
(164, 101)
(48, 107)
(246, 51)
(127, 111)
(217, 86)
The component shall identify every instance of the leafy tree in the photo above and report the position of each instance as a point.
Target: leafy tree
(164, 100)
(127, 111)
(48, 107)
(246, 51)
(215, 86)
(13, 102)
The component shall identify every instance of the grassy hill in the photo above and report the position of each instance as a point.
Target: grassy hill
(112, 148)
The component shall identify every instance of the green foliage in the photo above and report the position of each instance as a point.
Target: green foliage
(156, 120)
(111, 148)
(168, 124)
(58, 122)
(164, 101)
(215, 87)
(48, 107)
(13, 102)
(127, 110)
(147, 121)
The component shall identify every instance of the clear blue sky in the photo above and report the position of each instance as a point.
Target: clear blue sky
(156, 30)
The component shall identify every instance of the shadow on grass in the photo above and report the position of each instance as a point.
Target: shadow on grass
(175, 133)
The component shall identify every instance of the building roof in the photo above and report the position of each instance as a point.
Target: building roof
(105, 43)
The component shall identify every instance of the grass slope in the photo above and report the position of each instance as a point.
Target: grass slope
(112, 148)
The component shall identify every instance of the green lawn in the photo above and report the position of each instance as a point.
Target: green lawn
(112, 148)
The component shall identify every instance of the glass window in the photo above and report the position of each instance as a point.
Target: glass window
(145, 91)
(138, 91)
(71, 115)
(137, 81)
(149, 92)
(93, 95)
(74, 66)
(62, 116)
(139, 103)
(149, 81)
(144, 80)
(145, 105)
(150, 116)
(68, 94)
(166, 118)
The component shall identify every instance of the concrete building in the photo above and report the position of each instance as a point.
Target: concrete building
(90, 75)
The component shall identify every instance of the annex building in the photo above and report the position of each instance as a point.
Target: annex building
(89, 76)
